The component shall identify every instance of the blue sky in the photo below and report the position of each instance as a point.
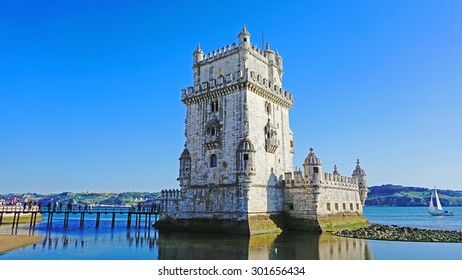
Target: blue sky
(90, 90)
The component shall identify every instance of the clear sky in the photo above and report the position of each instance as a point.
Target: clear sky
(90, 90)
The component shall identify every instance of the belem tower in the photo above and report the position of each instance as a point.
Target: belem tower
(236, 172)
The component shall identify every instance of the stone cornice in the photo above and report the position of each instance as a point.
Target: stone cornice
(212, 94)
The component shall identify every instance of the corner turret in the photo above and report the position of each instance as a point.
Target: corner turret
(185, 168)
(198, 55)
(360, 175)
(313, 168)
(245, 160)
(244, 38)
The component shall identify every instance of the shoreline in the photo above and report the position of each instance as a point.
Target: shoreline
(23, 219)
(13, 242)
(396, 233)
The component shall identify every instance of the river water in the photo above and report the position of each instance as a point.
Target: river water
(121, 243)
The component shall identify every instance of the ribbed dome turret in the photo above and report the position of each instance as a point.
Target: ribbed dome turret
(246, 145)
(185, 154)
(358, 170)
(312, 159)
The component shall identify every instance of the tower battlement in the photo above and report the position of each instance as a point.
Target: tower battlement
(230, 82)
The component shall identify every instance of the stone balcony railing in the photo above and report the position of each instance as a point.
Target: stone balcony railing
(212, 141)
(271, 145)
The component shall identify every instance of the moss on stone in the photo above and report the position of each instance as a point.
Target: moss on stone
(263, 224)
(342, 222)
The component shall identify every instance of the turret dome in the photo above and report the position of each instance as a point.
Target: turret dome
(185, 154)
(312, 159)
(246, 145)
(358, 170)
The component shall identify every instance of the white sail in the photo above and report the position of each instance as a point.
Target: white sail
(438, 204)
(431, 208)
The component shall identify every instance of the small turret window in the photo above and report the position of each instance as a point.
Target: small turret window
(213, 160)
(315, 170)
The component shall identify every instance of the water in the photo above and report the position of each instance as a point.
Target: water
(106, 243)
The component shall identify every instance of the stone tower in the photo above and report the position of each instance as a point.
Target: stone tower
(237, 118)
(235, 172)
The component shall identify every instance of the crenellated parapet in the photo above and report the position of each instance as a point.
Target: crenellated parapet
(297, 179)
(215, 55)
(215, 87)
(264, 55)
(231, 82)
(169, 201)
(335, 180)
(270, 90)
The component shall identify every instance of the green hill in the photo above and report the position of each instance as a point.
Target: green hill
(384, 195)
(97, 198)
(396, 195)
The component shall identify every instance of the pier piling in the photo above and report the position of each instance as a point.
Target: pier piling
(31, 219)
(82, 219)
(98, 216)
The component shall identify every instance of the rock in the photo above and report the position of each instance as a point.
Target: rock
(384, 232)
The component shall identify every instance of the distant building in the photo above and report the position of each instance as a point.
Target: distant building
(236, 171)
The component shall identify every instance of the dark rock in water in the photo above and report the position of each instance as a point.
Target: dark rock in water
(395, 233)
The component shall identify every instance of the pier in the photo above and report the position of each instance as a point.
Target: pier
(142, 216)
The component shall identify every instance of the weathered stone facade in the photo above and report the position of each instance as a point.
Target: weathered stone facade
(236, 167)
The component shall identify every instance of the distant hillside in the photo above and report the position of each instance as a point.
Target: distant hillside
(106, 198)
(385, 195)
(395, 195)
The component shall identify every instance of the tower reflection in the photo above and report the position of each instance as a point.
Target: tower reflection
(285, 246)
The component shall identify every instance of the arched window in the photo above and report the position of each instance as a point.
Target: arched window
(213, 160)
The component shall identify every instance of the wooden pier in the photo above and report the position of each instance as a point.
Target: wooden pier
(149, 214)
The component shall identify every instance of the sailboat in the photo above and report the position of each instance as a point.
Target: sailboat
(438, 210)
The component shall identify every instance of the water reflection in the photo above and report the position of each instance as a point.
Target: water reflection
(122, 243)
(285, 246)
(139, 239)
